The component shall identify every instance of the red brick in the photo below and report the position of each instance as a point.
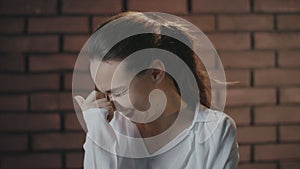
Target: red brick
(257, 166)
(276, 77)
(241, 116)
(13, 103)
(13, 142)
(226, 6)
(168, 6)
(74, 160)
(91, 6)
(230, 41)
(203, 22)
(82, 81)
(12, 62)
(32, 82)
(72, 122)
(290, 165)
(244, 152)
(51, 101)
(74, 43)
(99, 20)
(32, 161)
(68, 80)
(58, 141)
(290, 95)
(245, 22)
(256, 134)
(277, 152)
(277, 40)
(289, 59)
(19, 7)
(58, 24)
(250, 96)
(29, 122)
(276, 5)
(29, 43)
(288, 22)
(57, 62)
(248, 59)
(277, 114)
(290, 133)
(12, 25)
(211, 61)
(242, 76)
(81, 64)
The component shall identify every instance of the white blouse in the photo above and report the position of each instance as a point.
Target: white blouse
(209, 143)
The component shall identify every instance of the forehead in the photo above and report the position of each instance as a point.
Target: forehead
(104, 72)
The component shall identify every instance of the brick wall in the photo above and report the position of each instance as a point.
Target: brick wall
(258, 42)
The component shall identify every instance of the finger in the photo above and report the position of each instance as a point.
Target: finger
(91, 97)
(110, 116)
(102, 103)
(80, 100)
(108, 108)
(99, 95)
(94, 104)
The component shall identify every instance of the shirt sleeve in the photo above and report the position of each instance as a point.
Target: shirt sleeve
(229, 143)
(221, 150)
(98, 134)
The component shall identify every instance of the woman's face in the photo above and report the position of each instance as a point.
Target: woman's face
(113, 78)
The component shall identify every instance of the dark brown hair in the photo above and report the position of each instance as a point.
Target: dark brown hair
(138, 42)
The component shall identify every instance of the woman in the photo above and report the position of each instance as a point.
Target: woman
(145, 100)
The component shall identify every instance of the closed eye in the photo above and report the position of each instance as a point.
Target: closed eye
(120, 93)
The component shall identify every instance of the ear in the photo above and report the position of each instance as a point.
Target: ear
(157, 71)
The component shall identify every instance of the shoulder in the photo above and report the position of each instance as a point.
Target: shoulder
(214, 124)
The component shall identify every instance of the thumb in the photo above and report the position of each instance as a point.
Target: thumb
(80, 100)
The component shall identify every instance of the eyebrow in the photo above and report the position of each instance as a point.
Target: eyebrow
(114, 90)
(110, 91)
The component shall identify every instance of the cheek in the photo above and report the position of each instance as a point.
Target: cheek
(135, 99)
(123, 102)
(139, 95)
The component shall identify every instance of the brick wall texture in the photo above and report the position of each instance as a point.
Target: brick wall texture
(258, 42)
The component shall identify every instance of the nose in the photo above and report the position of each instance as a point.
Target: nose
(119, 107)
